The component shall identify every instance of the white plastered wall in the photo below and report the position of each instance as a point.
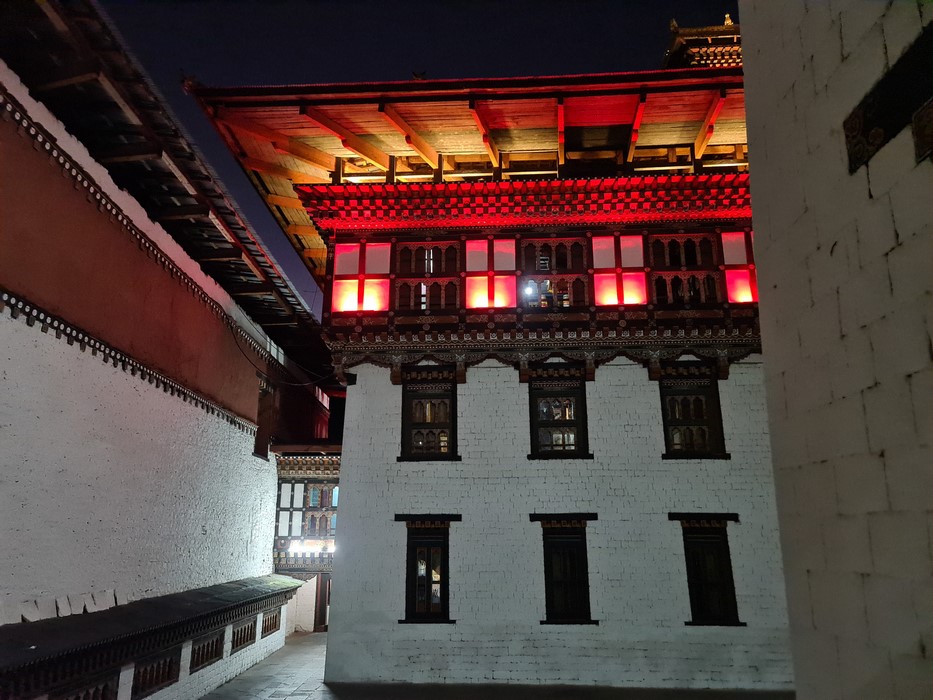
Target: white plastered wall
(109, 484)
(638, 587)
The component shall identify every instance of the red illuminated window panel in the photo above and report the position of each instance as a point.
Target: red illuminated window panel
(361, 277)
(619, 271)
(490, 274)
(738, 263)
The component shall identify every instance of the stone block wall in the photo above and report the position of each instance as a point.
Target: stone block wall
(637, 576)
(845, 276)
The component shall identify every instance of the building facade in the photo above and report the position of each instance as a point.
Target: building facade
(542, 295)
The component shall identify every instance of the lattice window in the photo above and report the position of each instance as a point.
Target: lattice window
(557, 402)
(244, 634)
(271, 621)
(153, 674)
(427, 579)
(691, 413)
(566, 573)
(429, 413)
(619, 270)
(104, 689)
(207, 650)
(361, 277)
(709, 567)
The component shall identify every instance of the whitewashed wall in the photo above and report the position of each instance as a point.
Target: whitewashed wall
(638, 586)
(301, 607)
(110, 484)
(846, 280)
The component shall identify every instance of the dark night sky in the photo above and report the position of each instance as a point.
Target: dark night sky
(266, 42)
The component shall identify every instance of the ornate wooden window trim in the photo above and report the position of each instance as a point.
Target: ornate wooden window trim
(423, 385)
(243, 635)
(558, 382)
(706, 539)
(155, 673)
(700, 418)
(564, 536)
(427, 532)
(207, 650)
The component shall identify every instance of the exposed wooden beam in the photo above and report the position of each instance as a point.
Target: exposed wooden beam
(302, 230)
(224, 254)
(278, 200)
(83, 72)
(419, 145)
(636, 125)
(280, 142)
(296, 176)
(561, 156)
(186, 211)
(249, 290)
(127, 153)
(709, 123)
(348, 139)
(488, 143)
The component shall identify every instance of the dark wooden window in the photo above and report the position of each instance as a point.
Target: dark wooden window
(566, 575)
(206, 650)
(690, 411)
(103, 689)
(244, 634)
(557, 406)
(429, 413)
(271, 620)
(155, 673)
(709, 567)
(427, 578)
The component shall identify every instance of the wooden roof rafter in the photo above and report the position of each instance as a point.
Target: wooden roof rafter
(280, 142)
(709, 124)
(488, 143)
(349, 140)
(636, 125)
(428, 154)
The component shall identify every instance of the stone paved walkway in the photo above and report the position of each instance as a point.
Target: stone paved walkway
(296, 672)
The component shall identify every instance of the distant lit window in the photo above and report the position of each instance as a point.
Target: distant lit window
(690, 411)
(619, 270)
(427, 577)
(336, 494)
(361, 277)
(429, 413)
(741, 279)
(558, 417)
(490, 274)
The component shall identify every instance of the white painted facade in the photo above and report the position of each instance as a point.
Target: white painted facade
(846, 281)
(108, 483)
(637, 575)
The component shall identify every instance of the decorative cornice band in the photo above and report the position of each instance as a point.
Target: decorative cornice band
(313, 466)
(12, 110)
(32, 315)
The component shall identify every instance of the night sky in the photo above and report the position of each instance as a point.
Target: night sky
(268, 42)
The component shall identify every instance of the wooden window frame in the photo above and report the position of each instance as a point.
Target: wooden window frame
(705, 534)
(428, 382)
(565, 532)
(542, 385)
(427, 531)
(698, 380)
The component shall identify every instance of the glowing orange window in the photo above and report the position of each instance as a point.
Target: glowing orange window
(738, 263)
(619, 271)
(490, 274)
(361, 277)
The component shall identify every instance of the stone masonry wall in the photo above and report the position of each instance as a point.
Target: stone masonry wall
(845, 275)
(111, 486)
(638, 587)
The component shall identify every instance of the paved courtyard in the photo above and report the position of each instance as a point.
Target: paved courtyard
(296, 672)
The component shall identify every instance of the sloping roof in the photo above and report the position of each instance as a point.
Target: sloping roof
(72, 61)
